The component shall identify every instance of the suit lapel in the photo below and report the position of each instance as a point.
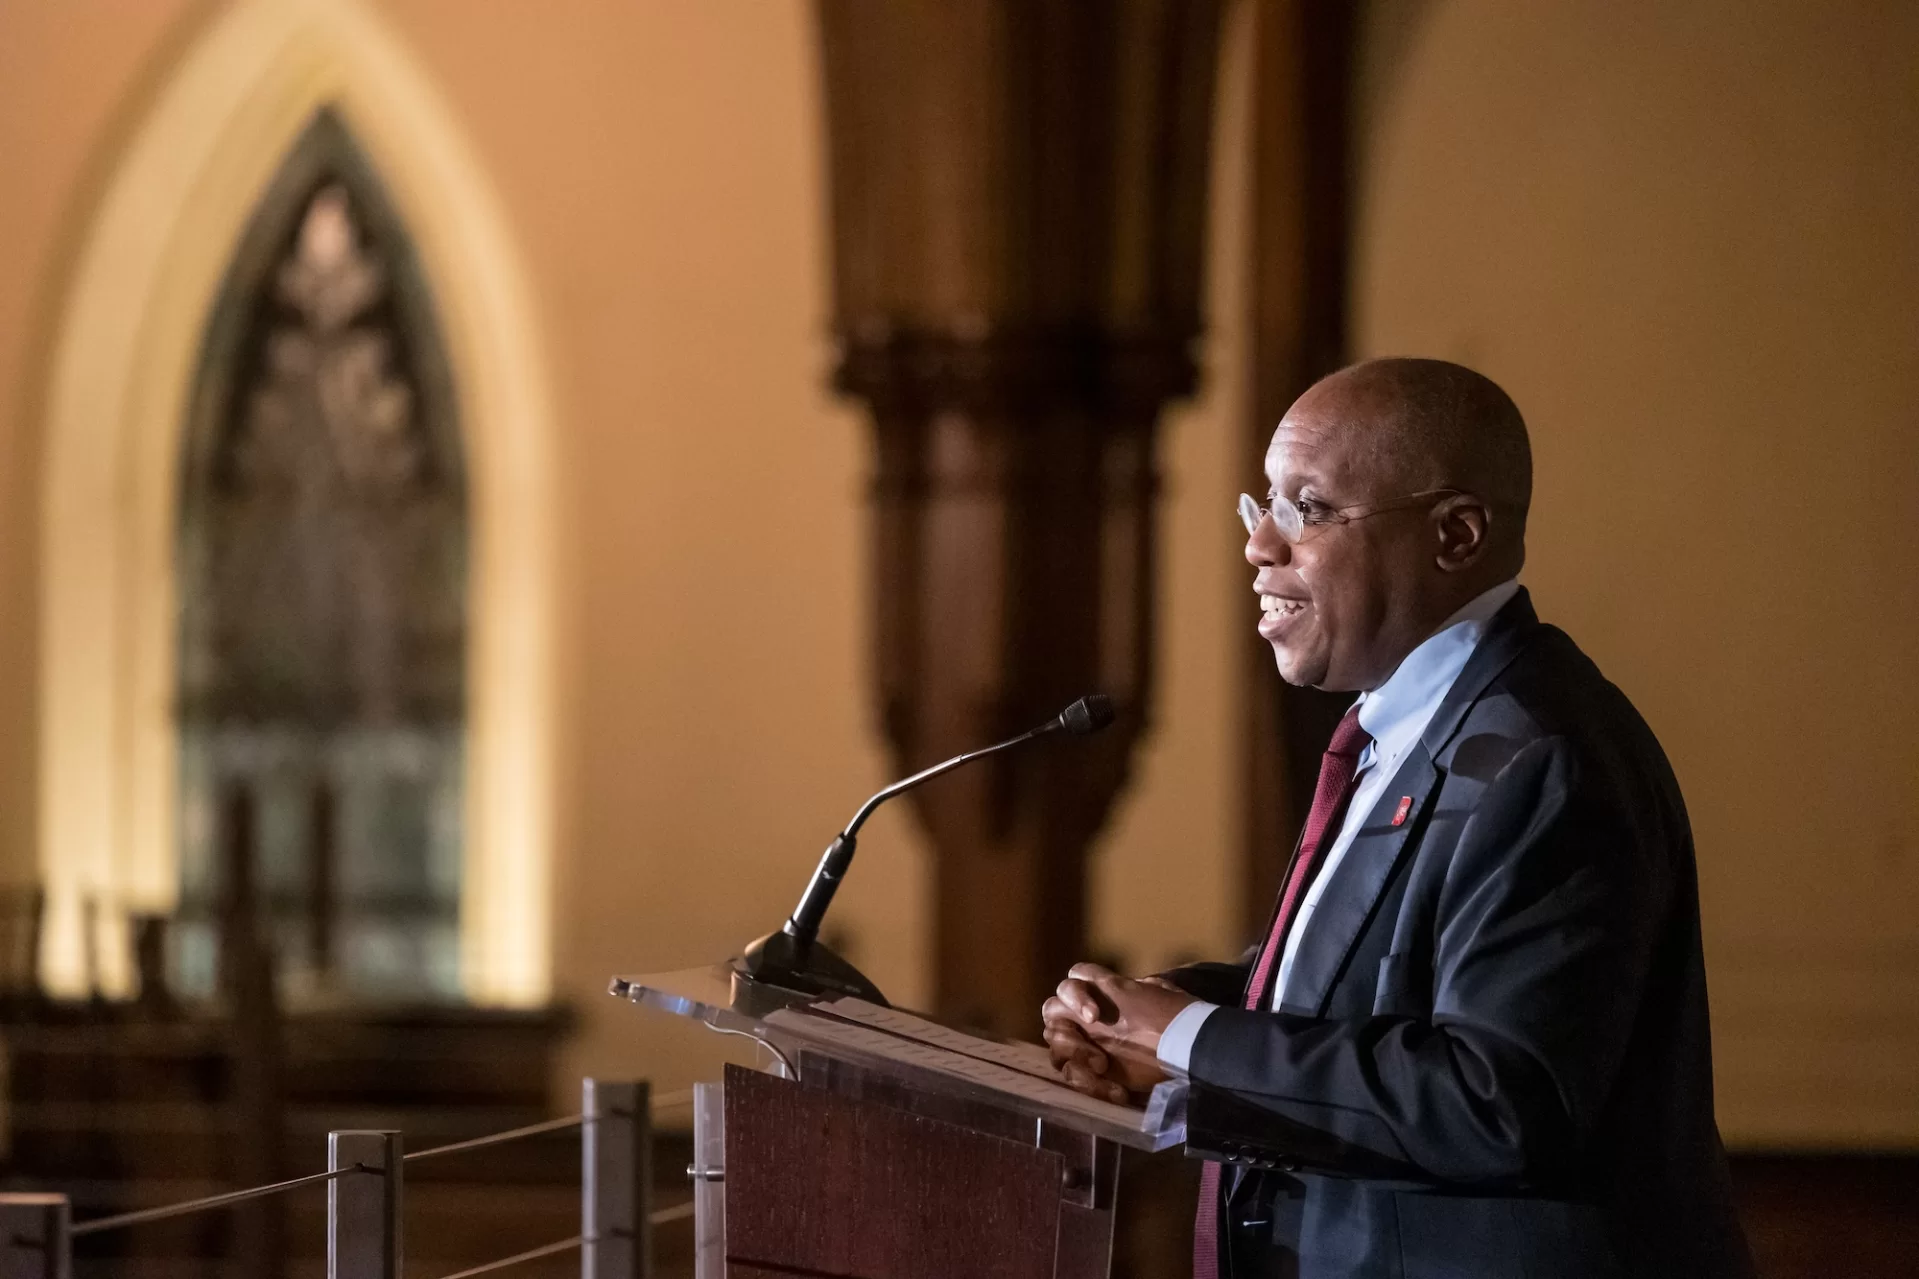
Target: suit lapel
(1361, 877)
(1333, 928)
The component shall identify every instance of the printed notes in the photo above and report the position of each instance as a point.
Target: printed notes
(1022, 1070)
(1028, 1059)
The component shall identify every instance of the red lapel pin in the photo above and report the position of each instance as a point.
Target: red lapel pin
(1405, 807)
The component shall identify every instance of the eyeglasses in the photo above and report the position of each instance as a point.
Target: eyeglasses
(1293, 518)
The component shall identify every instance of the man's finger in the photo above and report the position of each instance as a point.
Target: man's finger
(1093, 974)
(1057, 1012)
(1104, 989)
(1081, 1000)
(1068, 1044)
(1066, 1035)
(1078, 1076)
(1084, 1080)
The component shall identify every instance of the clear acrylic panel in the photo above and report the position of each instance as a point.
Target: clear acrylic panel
(709, 1191)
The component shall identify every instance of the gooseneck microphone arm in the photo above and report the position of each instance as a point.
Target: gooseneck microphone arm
(804, 923)
(793, 957)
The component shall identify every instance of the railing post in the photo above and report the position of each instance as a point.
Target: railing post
(616, 1178)
(363, 1238)
(34, 1243)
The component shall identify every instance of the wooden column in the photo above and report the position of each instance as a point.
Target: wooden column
(1302, 88)
(1018, 199)
(255, 1048)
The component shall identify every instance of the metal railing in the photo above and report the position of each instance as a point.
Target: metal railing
(365, 1183)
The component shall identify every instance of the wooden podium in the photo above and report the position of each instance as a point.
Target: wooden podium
(881, 1145)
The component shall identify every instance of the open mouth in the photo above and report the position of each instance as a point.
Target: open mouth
(1278, 606)
(1279, 614)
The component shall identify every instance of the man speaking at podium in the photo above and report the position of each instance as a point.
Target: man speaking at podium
(1474, 1039)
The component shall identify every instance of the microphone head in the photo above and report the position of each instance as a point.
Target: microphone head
(1088, 715)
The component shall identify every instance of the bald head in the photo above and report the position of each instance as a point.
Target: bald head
(1428, 424)
(1408, 483)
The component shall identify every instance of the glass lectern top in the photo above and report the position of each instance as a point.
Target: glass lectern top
(916, 1050)
(715, 994)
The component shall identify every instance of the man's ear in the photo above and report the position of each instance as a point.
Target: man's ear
(1463, 525)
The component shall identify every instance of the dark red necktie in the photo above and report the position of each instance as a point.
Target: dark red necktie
(1337, 771)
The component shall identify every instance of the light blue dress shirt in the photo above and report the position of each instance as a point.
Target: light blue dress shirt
(1395, 714)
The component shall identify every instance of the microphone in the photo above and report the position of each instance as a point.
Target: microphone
(793, 958)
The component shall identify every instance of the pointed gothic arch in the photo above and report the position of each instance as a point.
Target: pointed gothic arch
(322, 585)
(141, 295)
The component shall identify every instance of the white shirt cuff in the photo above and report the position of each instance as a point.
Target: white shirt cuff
(1176, 1041)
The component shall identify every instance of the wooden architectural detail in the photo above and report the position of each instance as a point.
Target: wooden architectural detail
(1302, 93)
(1018, 199)
(21, 911)
(258, 1073)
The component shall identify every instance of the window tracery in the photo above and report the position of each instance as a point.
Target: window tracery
(323, 621)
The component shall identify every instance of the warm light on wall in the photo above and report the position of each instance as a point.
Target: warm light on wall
(137, 302)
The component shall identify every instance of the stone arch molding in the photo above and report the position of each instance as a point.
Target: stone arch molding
(136, 307)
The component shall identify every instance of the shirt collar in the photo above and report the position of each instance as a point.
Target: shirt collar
(1397, 712)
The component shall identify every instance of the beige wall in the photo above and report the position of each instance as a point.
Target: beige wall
(70, 79)
(1682, 235)
(662, 163)
(659, 164)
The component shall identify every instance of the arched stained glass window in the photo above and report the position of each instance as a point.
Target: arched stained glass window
(323, 627)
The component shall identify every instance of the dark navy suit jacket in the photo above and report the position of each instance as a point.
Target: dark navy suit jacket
(1493, 1060)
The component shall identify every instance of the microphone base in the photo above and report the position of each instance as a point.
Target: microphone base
(808, 968)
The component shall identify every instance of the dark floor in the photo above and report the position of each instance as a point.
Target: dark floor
(1831, 1216)
(1808, 1216)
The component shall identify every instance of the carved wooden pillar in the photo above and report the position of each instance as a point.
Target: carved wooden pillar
(1303, 55)
(1018, 199)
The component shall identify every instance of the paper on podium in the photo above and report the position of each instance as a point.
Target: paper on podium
(1018, 1077)
(1029, 1059)
(1018, 1070)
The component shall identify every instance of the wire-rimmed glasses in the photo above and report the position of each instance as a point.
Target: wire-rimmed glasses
(1292, 517)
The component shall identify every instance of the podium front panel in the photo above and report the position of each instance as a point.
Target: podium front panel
(888, 1145)
(823, 1185)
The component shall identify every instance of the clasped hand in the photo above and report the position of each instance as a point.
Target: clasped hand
(1103, 1030)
